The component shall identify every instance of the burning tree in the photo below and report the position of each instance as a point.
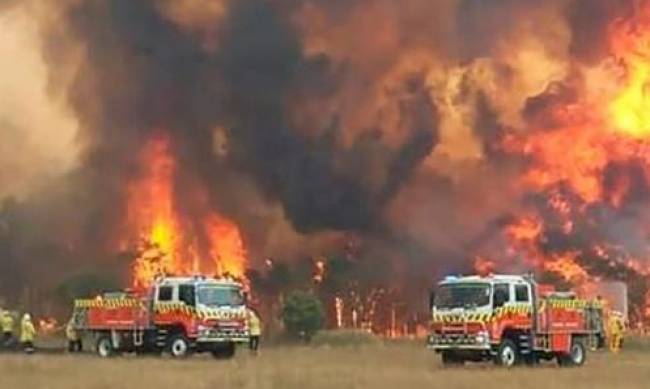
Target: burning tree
(174, 240)
(587, 173)
(436, 132)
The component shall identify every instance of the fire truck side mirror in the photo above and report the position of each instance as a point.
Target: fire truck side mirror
(432, 299)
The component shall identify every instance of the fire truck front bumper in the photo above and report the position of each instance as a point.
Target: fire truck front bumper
(222, 335)
(446, 341)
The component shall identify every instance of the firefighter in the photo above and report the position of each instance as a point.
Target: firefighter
(616, 329)
(27, 333)
(74, 340)
(7, 324)
(255, 328)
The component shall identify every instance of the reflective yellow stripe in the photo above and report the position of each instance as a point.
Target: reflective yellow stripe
(107, 303)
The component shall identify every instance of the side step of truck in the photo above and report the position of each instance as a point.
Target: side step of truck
(525, 344)
(161, 337)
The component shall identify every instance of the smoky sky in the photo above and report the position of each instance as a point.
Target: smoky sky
(589, 21)
(129, 73)
(142, 74)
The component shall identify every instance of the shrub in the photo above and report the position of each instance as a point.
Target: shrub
(302, 315)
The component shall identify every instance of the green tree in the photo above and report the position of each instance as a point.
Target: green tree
(303, 315)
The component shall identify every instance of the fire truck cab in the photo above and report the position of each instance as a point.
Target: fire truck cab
(178, 315)
(510, 319)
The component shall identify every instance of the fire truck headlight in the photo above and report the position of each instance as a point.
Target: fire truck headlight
(203, 330)
(482, 337)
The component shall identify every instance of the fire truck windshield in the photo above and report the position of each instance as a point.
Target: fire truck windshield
(462, 295)
(220, 296)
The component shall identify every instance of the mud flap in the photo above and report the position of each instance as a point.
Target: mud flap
(561, 343)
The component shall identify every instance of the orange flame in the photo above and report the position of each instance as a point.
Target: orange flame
(227, 247)
(484, 266)
(571, 149)
(48, 325)
(172, 243)
(567, 267)
(630, 110)
(527, 229)
(319, 271)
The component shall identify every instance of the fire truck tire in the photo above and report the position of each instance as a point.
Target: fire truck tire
(507, 354)
(179, 346)
(576, 356)
(104, 346)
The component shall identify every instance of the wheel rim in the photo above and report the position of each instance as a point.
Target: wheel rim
(104, 348)
(577, 354)
(508, 356)
(179, 348)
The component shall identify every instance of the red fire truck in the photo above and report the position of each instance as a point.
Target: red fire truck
(178, 315)
(511, 319)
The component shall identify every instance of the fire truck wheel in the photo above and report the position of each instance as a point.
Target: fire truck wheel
(576, 356)
(507, 354)
(105, 346)
(179, 346)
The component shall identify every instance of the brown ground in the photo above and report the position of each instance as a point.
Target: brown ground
(394, 366)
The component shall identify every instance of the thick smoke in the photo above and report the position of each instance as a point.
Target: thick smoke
(36, 130)
(312, 121)
(142, 75)
(138, 73)
(589, 21)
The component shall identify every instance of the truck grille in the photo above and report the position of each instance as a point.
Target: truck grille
(223, 331)
(454, 339)
(450, 340)
(230, 331)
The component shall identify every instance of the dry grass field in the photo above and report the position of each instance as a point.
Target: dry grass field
(378, 366)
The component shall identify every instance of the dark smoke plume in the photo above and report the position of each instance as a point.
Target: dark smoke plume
(379, 119)
(589, 21)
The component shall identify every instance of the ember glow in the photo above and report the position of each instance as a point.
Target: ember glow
(169, 243)
(48, 325)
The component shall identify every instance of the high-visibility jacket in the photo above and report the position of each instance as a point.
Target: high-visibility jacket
(70, 332)
(7, 322)
(254, 324)
(616, 325)
(27, 331)
(615, 332)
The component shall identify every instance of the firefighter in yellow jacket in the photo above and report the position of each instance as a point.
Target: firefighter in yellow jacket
(616, 330)
(255, 329)
(27, 333)
(7, 324)
(74, 340)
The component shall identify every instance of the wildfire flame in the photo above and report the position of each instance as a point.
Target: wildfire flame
(319, 271)
(630, 110)
(567, 267)
(484, 266)
(570, 152)
(170, 241)
(48, 325)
